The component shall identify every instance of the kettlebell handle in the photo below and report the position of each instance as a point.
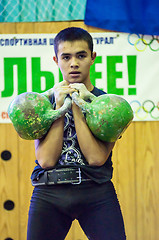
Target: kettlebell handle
(65, 107)
(48, 93)
(81, 102)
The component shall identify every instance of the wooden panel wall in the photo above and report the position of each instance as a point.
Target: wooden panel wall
(135, 160)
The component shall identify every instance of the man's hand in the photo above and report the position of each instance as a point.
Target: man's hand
(83, 92)
(60, 92)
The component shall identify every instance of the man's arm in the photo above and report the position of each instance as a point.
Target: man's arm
(95, 151)
(48, 150)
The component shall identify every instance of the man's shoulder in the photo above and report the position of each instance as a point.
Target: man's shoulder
(52, 98)
(97, 92)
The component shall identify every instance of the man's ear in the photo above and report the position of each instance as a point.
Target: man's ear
(55, 60)
(93, 57)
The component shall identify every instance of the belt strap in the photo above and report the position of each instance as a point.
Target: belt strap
(61, 176)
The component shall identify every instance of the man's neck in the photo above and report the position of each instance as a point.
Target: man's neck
(89, 86)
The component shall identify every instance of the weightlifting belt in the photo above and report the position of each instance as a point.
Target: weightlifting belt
(61, 176)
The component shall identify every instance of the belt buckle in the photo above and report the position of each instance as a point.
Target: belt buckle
(79, 177)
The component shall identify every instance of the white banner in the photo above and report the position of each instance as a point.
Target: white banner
(126, 65)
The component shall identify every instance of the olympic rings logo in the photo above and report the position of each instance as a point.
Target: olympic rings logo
(145, 110)
(143, 42)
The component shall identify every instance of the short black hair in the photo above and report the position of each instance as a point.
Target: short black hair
(73, 34)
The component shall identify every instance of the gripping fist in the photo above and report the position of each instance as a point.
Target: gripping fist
(61, 90)
(82, 90)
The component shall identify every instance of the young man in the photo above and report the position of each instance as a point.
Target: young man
(72, 178)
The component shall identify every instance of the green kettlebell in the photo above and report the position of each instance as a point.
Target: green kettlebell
(107, 116)
(32, 114)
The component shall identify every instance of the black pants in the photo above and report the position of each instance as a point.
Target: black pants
(95, 206)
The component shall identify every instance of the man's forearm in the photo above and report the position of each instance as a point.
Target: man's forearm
(49, 150)
(95, 151)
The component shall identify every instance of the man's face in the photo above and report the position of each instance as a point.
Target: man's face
(74, 60)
